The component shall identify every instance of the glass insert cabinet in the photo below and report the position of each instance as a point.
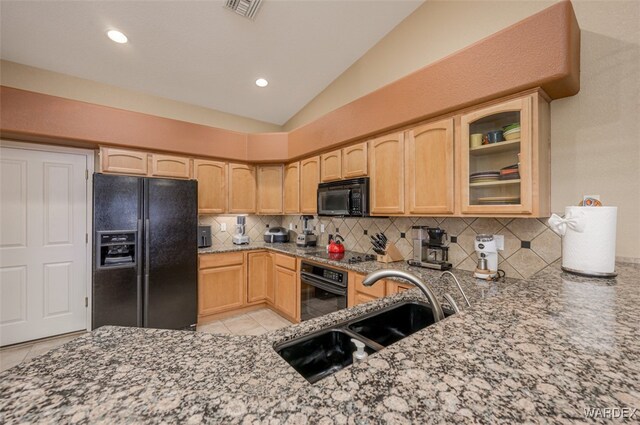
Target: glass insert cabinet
(504, 167)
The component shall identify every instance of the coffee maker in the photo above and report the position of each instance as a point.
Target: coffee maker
(307, 237)
(430, 248)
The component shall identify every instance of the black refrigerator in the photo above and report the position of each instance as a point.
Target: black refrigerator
(145, 252)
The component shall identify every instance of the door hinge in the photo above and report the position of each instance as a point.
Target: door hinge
(86, 238)
(86, 302)
(86, 174)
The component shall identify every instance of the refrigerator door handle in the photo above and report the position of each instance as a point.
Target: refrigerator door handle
(146, 273)
(139, 270)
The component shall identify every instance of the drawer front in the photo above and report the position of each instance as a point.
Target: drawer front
(218, 260)
(286, 262)
(378, 289)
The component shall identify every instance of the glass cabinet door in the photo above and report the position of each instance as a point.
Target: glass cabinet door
(496, 158)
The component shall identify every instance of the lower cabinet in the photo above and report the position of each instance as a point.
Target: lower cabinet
(360, 294)
(397, 287)
(236, 280)
(260, 277)
(221, 283)
(287, 289)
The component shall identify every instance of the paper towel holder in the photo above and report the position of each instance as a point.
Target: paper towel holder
(587, 227)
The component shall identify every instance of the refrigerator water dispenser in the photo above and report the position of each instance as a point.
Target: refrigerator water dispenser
(116, 249)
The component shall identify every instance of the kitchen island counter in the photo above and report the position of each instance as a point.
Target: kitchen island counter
(542, 350)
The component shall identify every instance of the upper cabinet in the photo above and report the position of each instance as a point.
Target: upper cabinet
(386, 167)
(429, 170)
(292, 188)
(176, 167)
(123, 161)
(354, 161)
(212, 186)
(270, 180)
(346, 163)
(489, 160)
(242, 188)
(504, 152)
(331, 166)
(309, 179)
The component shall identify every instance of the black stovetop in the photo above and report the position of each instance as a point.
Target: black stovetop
(349, 257)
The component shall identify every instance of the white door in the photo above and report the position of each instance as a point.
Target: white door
(43, 252)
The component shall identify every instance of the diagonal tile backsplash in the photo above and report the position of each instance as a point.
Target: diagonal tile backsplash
(529, 244)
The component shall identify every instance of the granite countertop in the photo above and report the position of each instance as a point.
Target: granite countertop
(540, 350)
(474, 289)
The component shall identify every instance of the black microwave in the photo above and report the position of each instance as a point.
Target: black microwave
(344, 198)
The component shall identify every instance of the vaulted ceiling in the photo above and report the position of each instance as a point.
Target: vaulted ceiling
(199, 52)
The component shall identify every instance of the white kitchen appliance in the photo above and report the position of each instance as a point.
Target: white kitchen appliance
(487, 251)
(240, 238)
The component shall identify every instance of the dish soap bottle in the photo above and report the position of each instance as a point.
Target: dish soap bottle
(359, 355)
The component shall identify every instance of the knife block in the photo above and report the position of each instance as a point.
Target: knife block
(392, 254)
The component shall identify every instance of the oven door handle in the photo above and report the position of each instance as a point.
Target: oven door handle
(322, 280)
(325, 287)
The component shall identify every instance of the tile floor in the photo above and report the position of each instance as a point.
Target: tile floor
(14, 355)
(255, 322)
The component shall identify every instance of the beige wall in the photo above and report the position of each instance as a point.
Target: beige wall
(42, 81)
(435, 30)
(595, 135)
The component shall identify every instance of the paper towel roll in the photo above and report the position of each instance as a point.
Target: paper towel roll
(593, 250)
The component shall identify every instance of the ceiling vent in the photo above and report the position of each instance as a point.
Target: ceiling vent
(246, 8)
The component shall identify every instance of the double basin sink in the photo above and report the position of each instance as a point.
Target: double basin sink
(322, 353)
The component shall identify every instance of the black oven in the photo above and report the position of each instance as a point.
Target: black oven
(323, 290)
(348, 198)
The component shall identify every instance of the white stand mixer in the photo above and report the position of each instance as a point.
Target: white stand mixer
(487, 247)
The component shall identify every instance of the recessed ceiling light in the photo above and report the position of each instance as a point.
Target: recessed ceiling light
(117, 36)
(261, 82)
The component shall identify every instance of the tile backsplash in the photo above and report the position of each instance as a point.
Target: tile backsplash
(529, 245)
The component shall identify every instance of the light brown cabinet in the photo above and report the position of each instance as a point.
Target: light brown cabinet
(394, 287)
(221, 283)
(123, 161)
(270, 181)
(212, 186)
(331, 166)
(429, 187)
(292, 188)
(309, 179)
(176, 167)
(522, 161)
(287, 288)
(386, 168)
(355, 161)
(260, 277)
(359, 294)
(242, 188)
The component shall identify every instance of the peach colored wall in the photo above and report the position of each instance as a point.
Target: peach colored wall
(547, 46)
(268, 147)
(38, 80)
(548, 56)
(35, 116)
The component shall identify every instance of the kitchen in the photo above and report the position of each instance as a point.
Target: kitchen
(316, 217)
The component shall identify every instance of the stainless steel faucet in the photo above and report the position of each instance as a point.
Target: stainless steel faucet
(372, 278)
